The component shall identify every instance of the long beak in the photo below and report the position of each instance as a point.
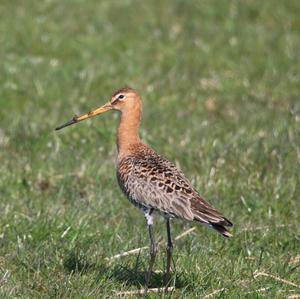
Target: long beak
(77, 119)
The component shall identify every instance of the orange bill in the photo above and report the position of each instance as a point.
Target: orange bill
(82, 117)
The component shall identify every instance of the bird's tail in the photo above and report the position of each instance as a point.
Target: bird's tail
(220, 228)
(209, 216)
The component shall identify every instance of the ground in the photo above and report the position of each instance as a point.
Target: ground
(220, 82)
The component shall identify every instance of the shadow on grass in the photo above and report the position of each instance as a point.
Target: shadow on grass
(136, 276)
(77, 262)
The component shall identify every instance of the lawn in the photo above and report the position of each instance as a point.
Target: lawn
(220, 82)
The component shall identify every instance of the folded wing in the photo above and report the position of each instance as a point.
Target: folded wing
(154, 182)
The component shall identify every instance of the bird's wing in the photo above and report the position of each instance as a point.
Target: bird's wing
(157, 183)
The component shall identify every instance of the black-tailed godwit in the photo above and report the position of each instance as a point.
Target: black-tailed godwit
(151, 182)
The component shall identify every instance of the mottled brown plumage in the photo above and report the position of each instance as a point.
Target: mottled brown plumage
(151, 182)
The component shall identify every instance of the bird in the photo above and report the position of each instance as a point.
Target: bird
(151, 182)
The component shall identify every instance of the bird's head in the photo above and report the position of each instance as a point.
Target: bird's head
(124, 100)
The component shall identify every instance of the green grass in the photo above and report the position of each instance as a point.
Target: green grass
(220, 82)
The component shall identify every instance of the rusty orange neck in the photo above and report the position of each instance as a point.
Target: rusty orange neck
(128, 131)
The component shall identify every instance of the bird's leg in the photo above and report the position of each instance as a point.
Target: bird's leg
(169, 254)
(153, 248)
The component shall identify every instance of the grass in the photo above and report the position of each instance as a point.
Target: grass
(220, 82)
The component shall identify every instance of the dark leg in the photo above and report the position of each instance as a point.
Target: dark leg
(153, 250)
(169, 254)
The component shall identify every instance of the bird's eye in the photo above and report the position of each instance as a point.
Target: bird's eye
(121, 96)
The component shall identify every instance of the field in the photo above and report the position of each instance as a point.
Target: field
(220, 82)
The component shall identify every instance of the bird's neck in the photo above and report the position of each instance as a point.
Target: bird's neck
(128, 131)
